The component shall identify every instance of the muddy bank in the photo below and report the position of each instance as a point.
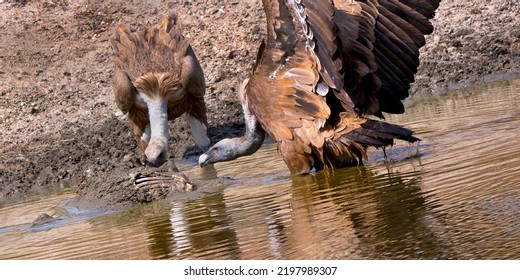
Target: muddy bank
(60, 126)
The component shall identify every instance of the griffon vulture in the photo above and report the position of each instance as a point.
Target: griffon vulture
(324, 69)
(158, 78)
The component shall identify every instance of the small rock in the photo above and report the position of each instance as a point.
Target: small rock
(44, 218)
(256, 29)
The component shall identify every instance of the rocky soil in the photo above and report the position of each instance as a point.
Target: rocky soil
(59, 125)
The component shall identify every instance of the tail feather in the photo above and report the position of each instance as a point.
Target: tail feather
(380, 134)
(141, 52)
(350, 148)
(168, 34)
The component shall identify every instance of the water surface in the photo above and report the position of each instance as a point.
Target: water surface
(456, 195)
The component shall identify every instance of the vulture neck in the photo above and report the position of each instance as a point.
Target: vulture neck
(253, 138)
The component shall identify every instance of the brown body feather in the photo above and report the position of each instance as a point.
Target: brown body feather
(326, 65)
(156, 65)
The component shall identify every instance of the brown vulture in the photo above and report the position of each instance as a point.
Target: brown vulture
(158, 78)
(324, 69)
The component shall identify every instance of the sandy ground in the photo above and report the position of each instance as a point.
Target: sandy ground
(59, 126)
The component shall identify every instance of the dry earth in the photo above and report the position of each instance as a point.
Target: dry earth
(59, 125)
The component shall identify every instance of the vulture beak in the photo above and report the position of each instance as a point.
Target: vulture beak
(204, 160)
(156, 153)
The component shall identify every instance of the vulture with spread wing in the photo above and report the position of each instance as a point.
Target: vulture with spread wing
(325, 67)
(158, 78)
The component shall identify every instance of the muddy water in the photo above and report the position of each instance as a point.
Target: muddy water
(456, 195)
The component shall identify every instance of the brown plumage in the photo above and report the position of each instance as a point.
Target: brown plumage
(158, 78)
(326, 66)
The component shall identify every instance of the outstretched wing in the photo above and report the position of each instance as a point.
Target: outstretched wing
(361, 55)
(367, 51)
(379, 41)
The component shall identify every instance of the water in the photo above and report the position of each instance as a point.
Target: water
(456, 195)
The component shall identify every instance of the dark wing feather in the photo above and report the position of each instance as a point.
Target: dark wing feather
(381, 62)
(319, 15)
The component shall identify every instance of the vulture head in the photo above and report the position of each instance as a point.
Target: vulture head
(224, 150)
(155, 91)
(231, 148)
